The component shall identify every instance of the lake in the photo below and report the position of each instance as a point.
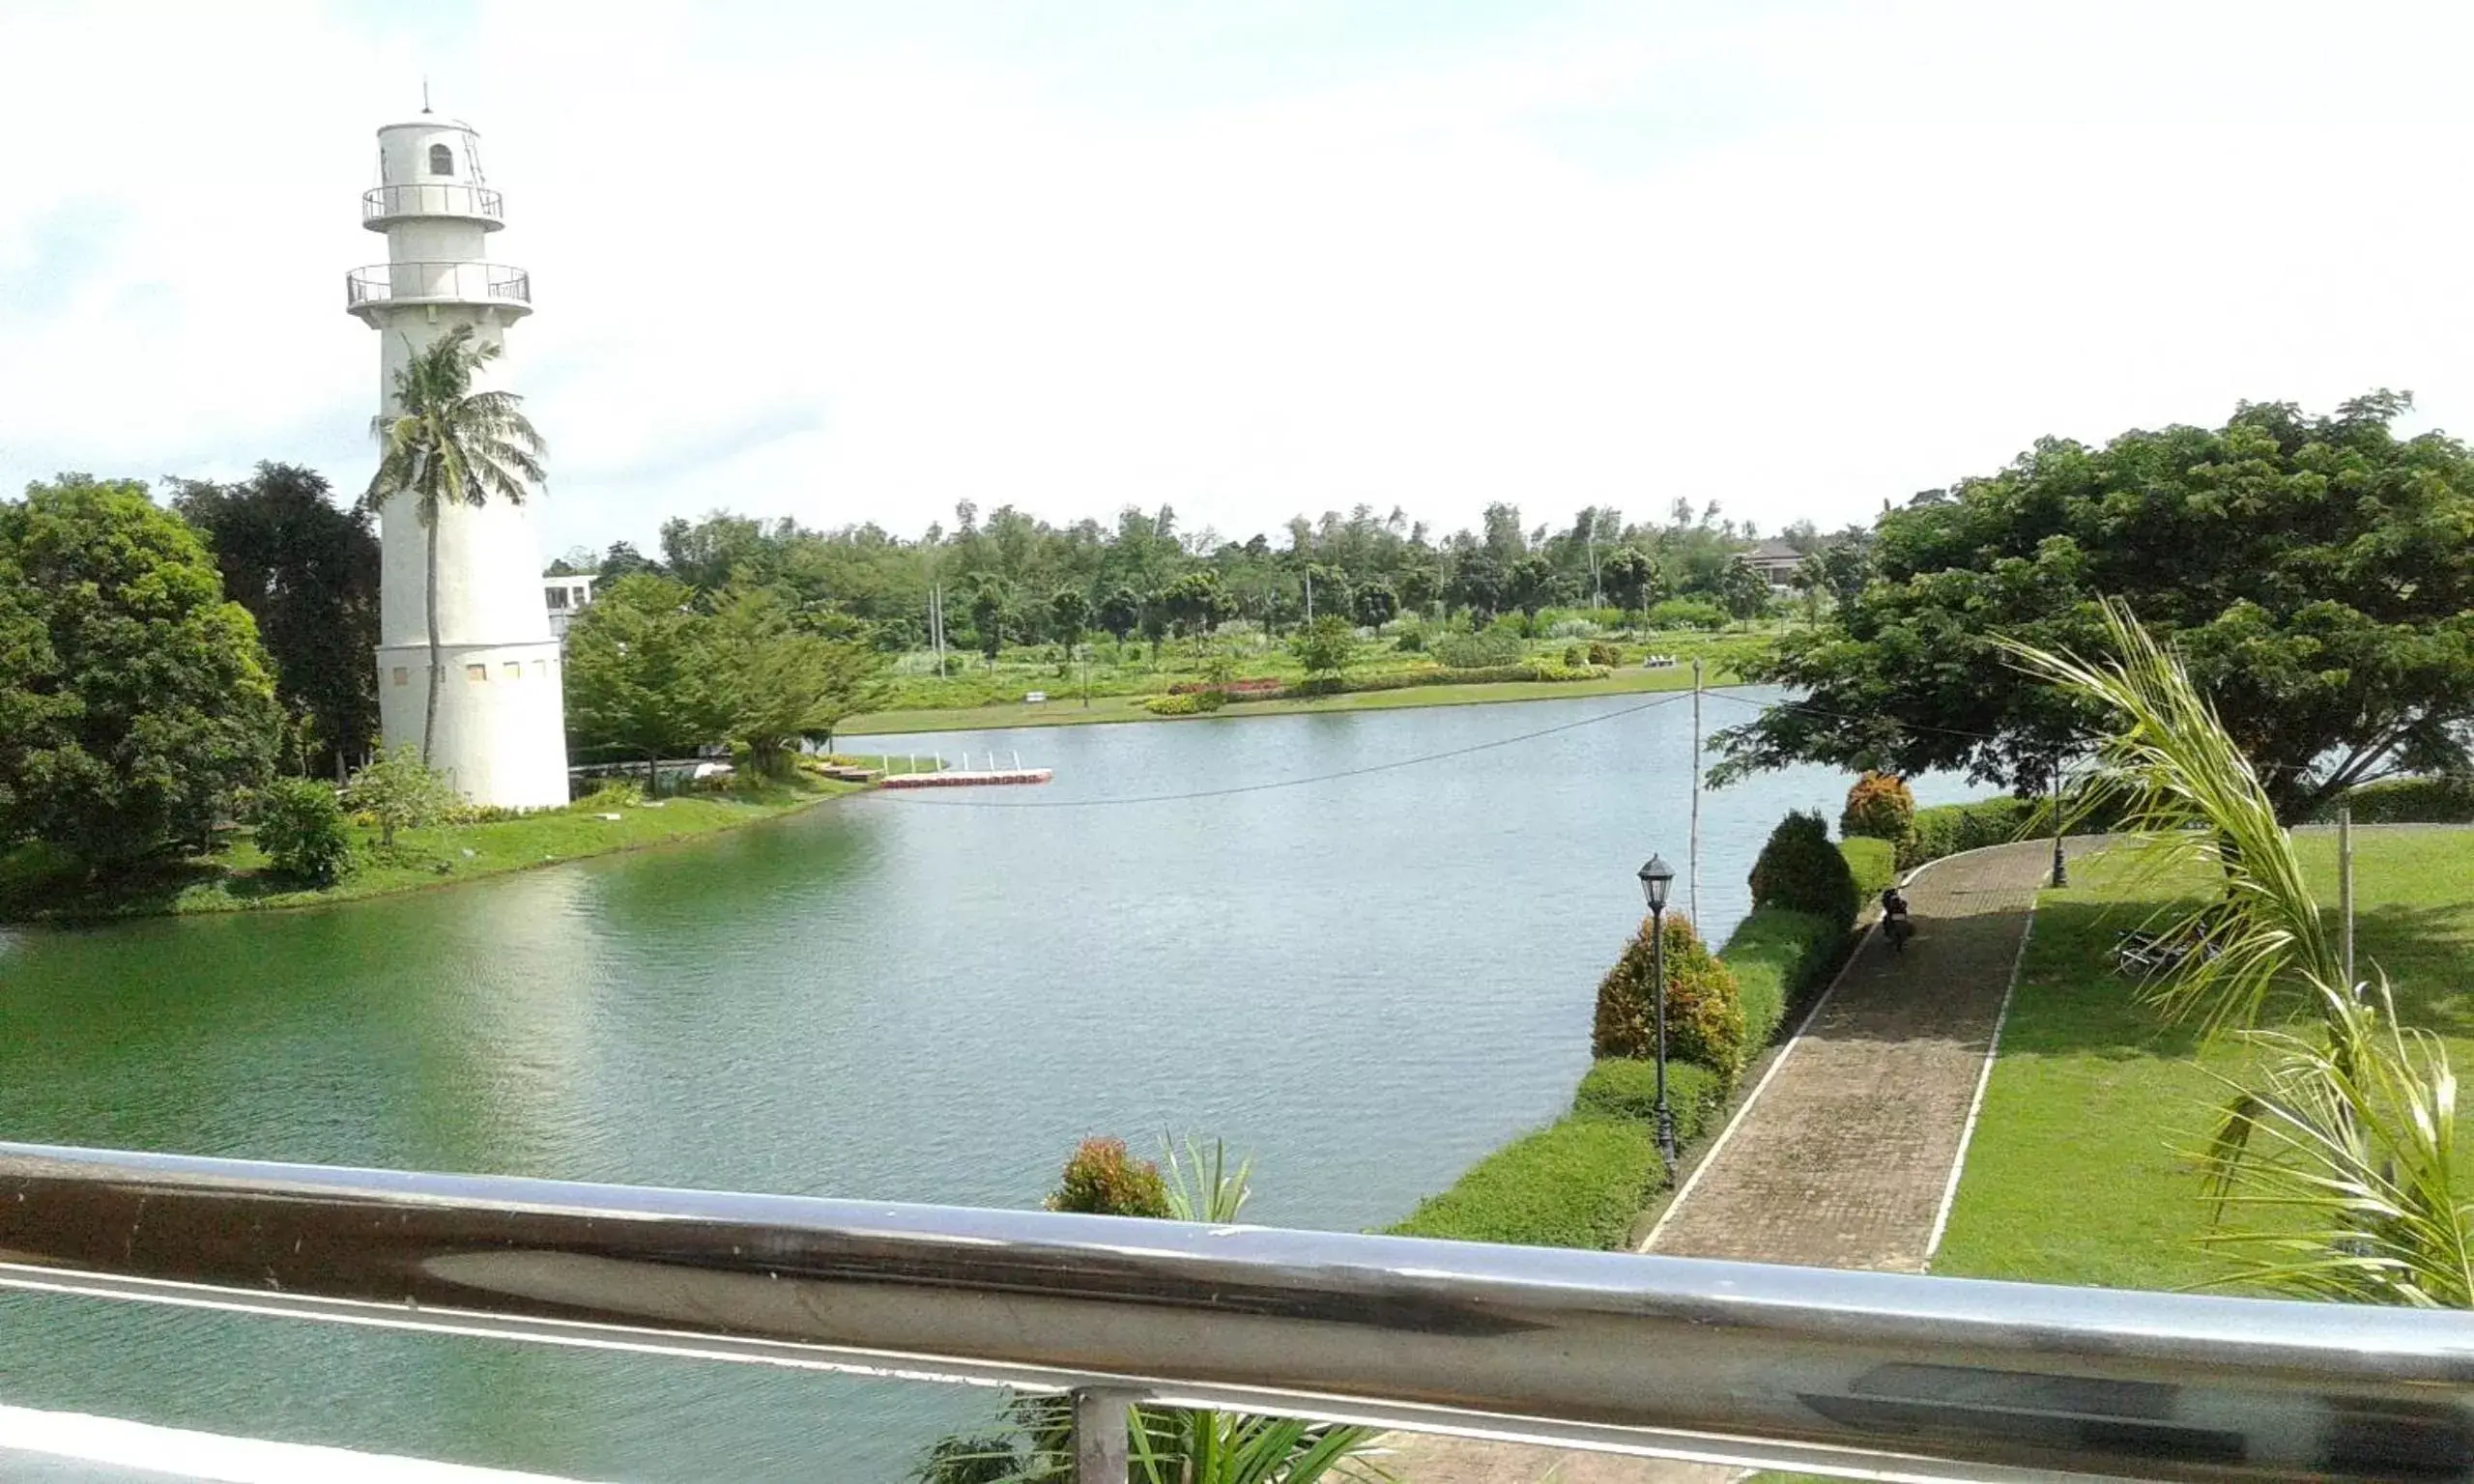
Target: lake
(1366, 982)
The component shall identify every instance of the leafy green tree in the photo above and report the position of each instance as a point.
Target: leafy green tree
(1741, 591)
(1070, 615)
(306, 569)
(1532, 585)
(1195, 602)
(1418, 586)
(445, 445)
(1631, 579)
(1377, 602)
(1155, 623)
(1326, 646)
(401, 793)
(300, 828)
(774, 686)
(1120, 613)
(992, 612)
(637, 673)
(2312, 572)
(134, 700)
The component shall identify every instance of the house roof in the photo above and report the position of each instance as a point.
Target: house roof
(1773, 551)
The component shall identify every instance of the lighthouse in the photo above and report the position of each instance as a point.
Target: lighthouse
(500, 735)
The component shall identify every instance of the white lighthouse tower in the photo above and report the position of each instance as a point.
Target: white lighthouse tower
(500, 735)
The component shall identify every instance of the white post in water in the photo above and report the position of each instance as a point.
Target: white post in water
(2346, 891)
(1692, 865)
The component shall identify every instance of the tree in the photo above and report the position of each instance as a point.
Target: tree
(774, 686)
(2312, 572)
(134, 700)
(622, 559)
(306, 569)
(1377, 602)
(1532, 584)
(1195, 601)
(1418, 585)
(1120, 612)
(1631, 579)
(637, 673)
(1155, 623)
(992, 611)
(401, 793)
(1325, 646)
(446, 445)
(1070, 615)
(1743, 593)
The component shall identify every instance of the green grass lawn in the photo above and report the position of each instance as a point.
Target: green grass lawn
(1063, 709)
(2080, 1169)
(235, 876)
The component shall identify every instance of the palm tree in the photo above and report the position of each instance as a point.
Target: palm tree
(2339, 1144)
(446, 445)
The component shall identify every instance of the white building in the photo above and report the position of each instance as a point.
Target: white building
(501, 732)
(566, 597)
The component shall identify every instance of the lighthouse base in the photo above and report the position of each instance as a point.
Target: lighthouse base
(501, 736)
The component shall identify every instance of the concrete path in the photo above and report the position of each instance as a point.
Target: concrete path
(1845, 1154)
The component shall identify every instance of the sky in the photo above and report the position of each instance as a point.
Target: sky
(854, 263)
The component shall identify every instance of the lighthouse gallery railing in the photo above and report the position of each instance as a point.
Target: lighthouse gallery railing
(1889, 1375)
(465, 282)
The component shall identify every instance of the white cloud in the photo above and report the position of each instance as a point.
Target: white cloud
(846, 266)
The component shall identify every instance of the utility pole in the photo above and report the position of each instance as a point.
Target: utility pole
(2060, 877)
(1692, 865)
(2345, 892)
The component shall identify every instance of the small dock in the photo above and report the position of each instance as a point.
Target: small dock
(940, 775)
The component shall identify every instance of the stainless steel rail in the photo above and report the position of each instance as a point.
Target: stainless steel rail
(1877, 1374)
(432, 198)
(464, 282)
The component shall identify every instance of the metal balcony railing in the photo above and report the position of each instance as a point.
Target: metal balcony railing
(443, 198)
(1887, 1375)
(437, 282)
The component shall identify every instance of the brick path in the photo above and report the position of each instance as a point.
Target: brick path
(1842, 1157)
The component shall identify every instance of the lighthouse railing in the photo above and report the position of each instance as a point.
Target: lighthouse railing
(435, 198)
(462, 282)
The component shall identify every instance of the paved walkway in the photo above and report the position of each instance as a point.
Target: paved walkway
(1842, 1157)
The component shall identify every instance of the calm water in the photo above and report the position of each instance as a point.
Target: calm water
(1367, 982)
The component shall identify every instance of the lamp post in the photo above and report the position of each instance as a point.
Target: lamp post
(1656, 877)
(2060, 876)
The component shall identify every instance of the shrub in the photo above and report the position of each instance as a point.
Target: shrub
(1574, 656)
(1103, 1180)
(1879, 804)
(1411, 642)
(1577, 1182)
(2440, 800)
(399, 792)
(614, 795)
(1946, 829)
(1704, 1017)
(1800, 870)
(1600, 652)
(1775, 955)
(301, 827)
(1480, 651)
(1622, 1087)
(1874, 864)
(1686, 613)
(1173, 705)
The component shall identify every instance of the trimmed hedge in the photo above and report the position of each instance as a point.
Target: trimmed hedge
(1946, 829)
(1801, 871)
(1577, 1182)
(1776, 955)
(1403, 679)
(1874, 863)
(2408, 801)
(1626, 1087)
(1487, 649)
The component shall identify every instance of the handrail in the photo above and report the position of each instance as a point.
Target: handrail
(467, 281)
(1889, 1375)
(432, 198)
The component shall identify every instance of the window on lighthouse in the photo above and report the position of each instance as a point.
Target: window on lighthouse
(442, 159)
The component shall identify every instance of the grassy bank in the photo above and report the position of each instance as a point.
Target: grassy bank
(1069, 712)
(1585, 1179)
(2091, 1093)
(236, 876)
